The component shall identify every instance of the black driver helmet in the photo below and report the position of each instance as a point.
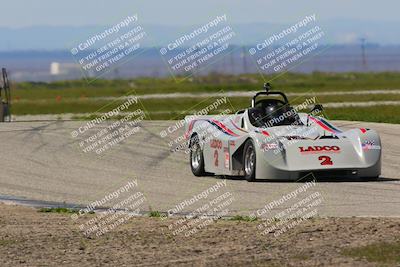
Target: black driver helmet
(278, 113)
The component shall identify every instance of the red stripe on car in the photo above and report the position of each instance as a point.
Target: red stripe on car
(224, 128)
(322, 125)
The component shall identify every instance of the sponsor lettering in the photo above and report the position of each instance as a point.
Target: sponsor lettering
(370, 145)
(269, 146)
(214, 143)
(319, 149)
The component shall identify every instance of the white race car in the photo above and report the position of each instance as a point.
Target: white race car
(271, 140)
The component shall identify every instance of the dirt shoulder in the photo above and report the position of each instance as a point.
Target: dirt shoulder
(32, 238)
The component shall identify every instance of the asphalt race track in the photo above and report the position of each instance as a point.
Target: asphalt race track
(42, 161)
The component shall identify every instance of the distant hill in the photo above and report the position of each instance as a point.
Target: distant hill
(344, 31)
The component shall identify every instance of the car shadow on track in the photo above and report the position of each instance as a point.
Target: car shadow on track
(318, 179)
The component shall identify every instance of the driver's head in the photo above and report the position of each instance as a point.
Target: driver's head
(272, 110)
(278, 114)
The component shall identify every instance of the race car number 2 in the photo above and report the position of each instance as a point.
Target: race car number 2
(325, 160)
(216, 158)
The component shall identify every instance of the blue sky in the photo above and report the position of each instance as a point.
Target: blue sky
(25, 13)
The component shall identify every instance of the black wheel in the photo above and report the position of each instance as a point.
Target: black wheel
(249, 161)
(196, 157)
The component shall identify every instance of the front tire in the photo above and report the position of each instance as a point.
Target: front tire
(249, 161)
(196, 157)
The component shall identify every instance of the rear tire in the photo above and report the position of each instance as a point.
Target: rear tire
(196, 157)
(249, 161)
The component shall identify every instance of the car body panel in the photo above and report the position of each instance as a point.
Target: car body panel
(323, 149)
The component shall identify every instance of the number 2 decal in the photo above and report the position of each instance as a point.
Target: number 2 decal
(325, 160)
(216, 158)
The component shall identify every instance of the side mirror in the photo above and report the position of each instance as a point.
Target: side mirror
(317, 108)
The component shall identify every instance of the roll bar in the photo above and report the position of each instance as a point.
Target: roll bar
(267, 87)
